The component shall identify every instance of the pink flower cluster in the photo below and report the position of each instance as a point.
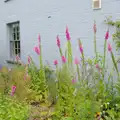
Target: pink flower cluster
(17, 58)
(67, 34)
(58, 41)
(29, 59)
(107, 35)
(109, 47)
(94, 28)
(76, 61)
(13, 89)
(55, 62)
(37, 50)
(63, 59)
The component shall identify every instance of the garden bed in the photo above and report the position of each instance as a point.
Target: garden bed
(79, 88)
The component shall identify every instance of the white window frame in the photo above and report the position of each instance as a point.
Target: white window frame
(93, 4)
(14, 40)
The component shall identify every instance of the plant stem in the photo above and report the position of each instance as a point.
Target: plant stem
(114, 62)
(78, 72)
(95, 46)
(69, 53)
(104, 59)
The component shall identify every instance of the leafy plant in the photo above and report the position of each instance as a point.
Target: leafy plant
(12, 110)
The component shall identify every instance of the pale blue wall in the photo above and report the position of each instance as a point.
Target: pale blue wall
(33, 16)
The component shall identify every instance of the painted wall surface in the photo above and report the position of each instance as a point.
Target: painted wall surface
(49, 18)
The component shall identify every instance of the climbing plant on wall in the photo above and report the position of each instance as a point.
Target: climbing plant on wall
(116, 35)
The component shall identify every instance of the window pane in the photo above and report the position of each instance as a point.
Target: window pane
(16, 44)
(17, 28)
(16, 53)
(14, 36)
(18, 36)
(14, 29)
(19, 52)
(19, 44)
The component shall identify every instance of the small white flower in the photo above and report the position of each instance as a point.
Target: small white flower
(116, 105)
(108, 103)
(103, 112)
(101, 105)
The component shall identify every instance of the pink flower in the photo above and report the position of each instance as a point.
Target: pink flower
(94, 28)
(97, 66)
(109, 47)
(29, 59)
(63, 59)
(55, 62)
(74, 81)
(58, 41)
(39, 38)
(17, 58)
(107, 35)
(37, 50)
(67, 34)
(81, 49)
(76, 61)
(13, 90)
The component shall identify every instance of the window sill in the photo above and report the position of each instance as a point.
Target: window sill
(96, 8)
(12, 62)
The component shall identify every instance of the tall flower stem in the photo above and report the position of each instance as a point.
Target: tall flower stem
(105, 45)
(60, 50)
(78, 72)
(81, 51)
(42, 72)
(69, 53)
(114, 62)
(95, 45)
(104, 59)
(41, 64)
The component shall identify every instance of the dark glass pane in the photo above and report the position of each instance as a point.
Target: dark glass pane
(17, 28)
(18, 38)
(14, 29)
(14, 36)
(15, 44)
(19, 44)
(19, 51)
(16, 51)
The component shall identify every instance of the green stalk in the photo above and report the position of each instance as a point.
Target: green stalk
(95, 46)
(114, 62)
(69, 52)
(41, 64)
(78, 72)
(60, 50)
(104, 59)
(83, 58)
(41, 67)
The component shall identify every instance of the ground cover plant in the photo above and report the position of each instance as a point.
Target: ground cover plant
(78, 88)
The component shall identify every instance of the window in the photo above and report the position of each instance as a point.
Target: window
(96, 4)
(6, 0)
(14, 39)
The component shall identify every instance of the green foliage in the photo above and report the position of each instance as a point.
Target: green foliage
(76, 91)
(69, 50)
(116, 35)
(17, 77)
(12, 110)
